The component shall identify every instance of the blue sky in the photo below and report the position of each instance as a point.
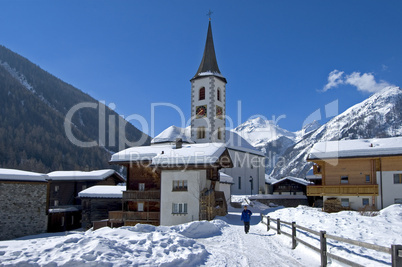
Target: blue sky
(276, 55)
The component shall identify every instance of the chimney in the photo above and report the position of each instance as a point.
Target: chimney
(179, 143)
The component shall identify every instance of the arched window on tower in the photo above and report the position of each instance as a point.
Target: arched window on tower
(201, 95)
(219, 94)
(201, 132)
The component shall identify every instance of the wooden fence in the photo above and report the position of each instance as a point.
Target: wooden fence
(395, 250)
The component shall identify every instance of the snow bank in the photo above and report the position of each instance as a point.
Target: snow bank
(202, 229)
(383, 230)
(126, 246)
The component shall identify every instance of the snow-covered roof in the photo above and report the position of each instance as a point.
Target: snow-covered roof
(225, 178)
(18, 175)
(294, 179)
(189, 154)
(171, 133)
(269, 179)
(81, 175)
(233, 140)
(103, 191)
(357, 148)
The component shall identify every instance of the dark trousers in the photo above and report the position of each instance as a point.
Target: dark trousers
(246, 227)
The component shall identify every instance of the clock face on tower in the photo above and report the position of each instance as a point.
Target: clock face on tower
(201, 111)
(219, 112)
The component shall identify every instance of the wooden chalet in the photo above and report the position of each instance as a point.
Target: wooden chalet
(171, 184)
(64, 204)
(358, 173)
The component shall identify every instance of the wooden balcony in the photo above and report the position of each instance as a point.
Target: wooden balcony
(154, 195)
(140, 216)
(342, 190)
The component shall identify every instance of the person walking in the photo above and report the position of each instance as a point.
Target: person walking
(245, 217)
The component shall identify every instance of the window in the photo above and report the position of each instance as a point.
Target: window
(398, 178)
(179, 185)
(201, 132)
(72, 220)
(344, 179)
(56, 188)
(201, 93)
(365, 202)
(368, 178)
(84, 187)
(220, 133)
(62, 221)
(179, 208)
(345, 202)
(398, 201)
(219, 94)
(239, 182)
(141, 186)
(56, 203)
(140, 206)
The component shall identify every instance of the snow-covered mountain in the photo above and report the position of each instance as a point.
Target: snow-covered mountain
(271, 139)
(259, 131)
(378, 116)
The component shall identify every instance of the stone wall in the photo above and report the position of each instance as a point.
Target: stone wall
(22, 209)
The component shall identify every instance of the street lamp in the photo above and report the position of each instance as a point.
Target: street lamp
(251, 184)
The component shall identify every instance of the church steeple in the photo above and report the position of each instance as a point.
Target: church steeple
(208, 98)
(209, 64)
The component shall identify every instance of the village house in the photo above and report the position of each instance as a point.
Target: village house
(23, 203)
(97, 201)
(172, 184)
(358, 173)
(64, 203)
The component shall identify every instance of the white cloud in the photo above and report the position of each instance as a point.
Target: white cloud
(334, 79)
(363, 82)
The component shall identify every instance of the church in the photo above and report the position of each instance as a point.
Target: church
(189, 174)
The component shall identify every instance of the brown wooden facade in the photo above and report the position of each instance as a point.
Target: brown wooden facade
(346, 177)
(141, 200)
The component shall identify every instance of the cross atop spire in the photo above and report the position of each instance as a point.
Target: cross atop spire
(209, 14)
(209, 65)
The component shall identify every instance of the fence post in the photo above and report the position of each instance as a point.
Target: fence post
(396, 255)
(293, 235)
(268, 221)
(278, 226)
(262, 217)
(323, 245)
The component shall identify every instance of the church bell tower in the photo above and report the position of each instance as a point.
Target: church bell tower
(208, 98)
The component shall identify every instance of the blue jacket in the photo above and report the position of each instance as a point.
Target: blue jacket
(246, 215)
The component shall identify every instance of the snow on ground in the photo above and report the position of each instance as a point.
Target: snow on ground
(221, 242)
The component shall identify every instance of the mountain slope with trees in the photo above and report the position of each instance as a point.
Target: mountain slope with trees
(33, 108)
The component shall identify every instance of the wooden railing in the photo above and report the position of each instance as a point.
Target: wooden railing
(395, 250)
(154, 195)
(133, 216)
(342, 190)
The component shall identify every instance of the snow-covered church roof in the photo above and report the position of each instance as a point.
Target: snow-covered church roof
(18, 175)
(171, 133)
(356, 148)
(97, 175)
(233, 140)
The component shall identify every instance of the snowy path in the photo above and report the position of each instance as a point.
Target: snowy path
(257, 248)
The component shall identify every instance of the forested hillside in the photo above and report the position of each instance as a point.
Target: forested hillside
(33, 107)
